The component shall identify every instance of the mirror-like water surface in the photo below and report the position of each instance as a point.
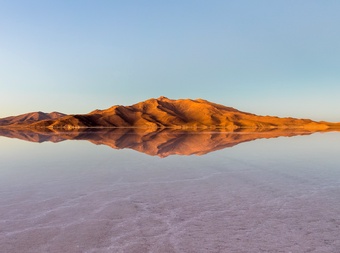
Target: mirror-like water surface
(268, 195)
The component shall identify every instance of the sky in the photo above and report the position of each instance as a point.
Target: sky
(267, 57)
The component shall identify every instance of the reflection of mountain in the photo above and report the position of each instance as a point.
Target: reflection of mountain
(163, 113)
(161, 143)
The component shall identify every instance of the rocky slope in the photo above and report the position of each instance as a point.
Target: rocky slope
(163, 113)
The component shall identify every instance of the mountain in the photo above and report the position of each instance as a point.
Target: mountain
(162, 143)
(163, 113)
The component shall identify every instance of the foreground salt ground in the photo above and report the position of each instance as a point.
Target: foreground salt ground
(278, 195)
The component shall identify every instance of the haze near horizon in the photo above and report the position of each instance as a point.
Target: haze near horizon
(270, 58)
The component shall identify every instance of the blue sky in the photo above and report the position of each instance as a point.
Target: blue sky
(267, 57)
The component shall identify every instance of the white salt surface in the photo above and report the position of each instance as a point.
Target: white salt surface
(277, 195)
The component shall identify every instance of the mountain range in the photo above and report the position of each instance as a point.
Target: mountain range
(163, 113)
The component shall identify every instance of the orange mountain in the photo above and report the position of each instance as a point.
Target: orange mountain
(163, 113)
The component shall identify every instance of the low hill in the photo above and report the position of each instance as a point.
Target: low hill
(30, 118)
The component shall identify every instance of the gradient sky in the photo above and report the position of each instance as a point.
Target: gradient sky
(268, 57)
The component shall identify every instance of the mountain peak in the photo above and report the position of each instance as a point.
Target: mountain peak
(162, 98)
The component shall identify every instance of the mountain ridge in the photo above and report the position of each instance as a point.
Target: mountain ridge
(163, 112)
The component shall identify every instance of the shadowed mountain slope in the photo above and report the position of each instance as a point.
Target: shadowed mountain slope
(163, 113)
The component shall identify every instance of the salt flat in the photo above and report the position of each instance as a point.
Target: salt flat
(276, 195)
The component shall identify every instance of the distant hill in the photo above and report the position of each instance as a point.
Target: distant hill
(30, 118)
(163, 113)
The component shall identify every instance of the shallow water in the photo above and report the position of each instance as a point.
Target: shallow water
(268, 195)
